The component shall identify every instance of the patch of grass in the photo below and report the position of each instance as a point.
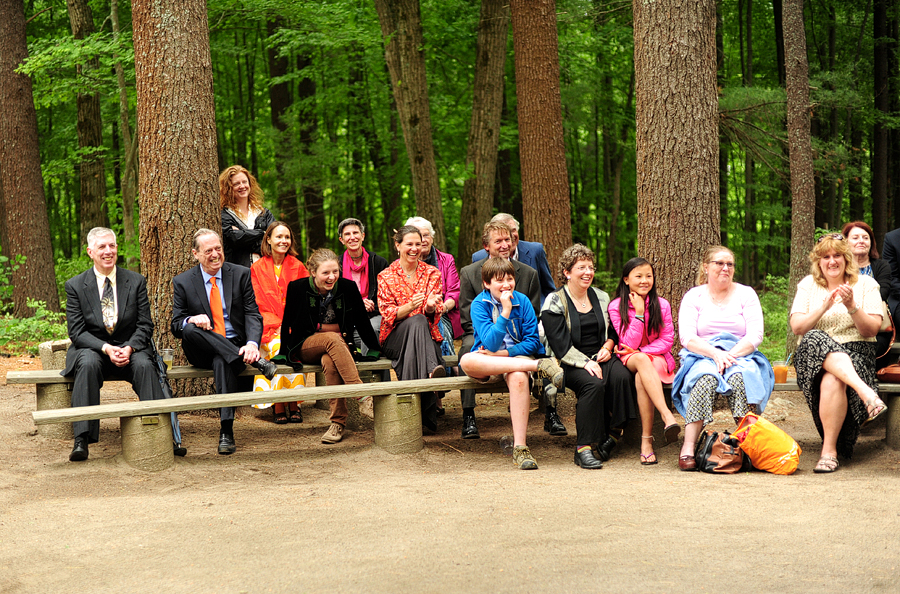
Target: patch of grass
(23, 335)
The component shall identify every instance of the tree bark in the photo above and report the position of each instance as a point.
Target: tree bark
(800, 147)
(27, 224)
(401, 26)
(484, 130)
(546, 211)
(130, 172)
(313, 199)
(881, 132)
(176, 123)
(90, 131)
(280, 100)
(677, 138)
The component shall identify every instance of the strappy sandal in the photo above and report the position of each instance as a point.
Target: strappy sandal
(826, 464)
(645, 459)
(281, 418)
(296, 416)
(672, 432)
(879, 406)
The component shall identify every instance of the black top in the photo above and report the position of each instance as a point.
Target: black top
(590, 333)
(241, 242)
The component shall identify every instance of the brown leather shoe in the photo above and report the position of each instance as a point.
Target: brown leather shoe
(687, 463)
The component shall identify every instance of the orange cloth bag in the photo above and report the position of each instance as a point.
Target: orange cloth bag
(767, 446)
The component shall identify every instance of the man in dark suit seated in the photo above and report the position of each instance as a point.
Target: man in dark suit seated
(890, 251)
(527, 252)
(214, 313)
(497, 242)
(108, 317)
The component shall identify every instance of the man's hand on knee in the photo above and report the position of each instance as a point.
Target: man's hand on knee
(250, 353)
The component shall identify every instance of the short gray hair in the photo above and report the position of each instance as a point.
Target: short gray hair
(99, 232)
(502, 217)
(420, 222)
(200, 233)
(348, 222)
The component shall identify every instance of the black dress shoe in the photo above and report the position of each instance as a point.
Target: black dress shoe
(80, 451)
(587, 460)
(553, 424)
(606, 448)
(470, 428)
(267, 368)
(226, 444)
(178, 450)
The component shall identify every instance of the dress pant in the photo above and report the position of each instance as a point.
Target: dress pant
(466, 397)
(604, 404)
(92, 367)
(209, 350)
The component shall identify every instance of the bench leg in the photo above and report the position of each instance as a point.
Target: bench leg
(892, 432)
(52, 397)
(147, 442)
(398, 423)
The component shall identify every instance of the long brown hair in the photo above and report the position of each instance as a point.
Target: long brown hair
(226, 194)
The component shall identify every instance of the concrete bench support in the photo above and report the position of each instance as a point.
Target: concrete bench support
(892, 434)
(54, 396)
(398, 423)
(147, 442)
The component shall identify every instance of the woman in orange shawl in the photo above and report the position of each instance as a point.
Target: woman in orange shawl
(278, 266)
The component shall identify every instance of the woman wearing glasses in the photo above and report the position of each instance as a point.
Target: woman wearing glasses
(720, 325)
(837, 311)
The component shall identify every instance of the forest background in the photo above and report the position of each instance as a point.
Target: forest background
(303, 100)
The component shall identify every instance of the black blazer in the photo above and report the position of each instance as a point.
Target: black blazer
(241, 242)
(84, 316)
(890, 253)
(470, 285)
(881, 270)
(190, 300)
(376, 265)
(301, 315)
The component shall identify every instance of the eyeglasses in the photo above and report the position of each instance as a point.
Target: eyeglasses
(722, 264)
(836, 236)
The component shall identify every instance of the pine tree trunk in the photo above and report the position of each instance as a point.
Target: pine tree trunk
(484, 130)
(401, 26)
(677, 138)
(800, 147)
(280, 100)
(546, 211)
(27, 224)
(176, 123)
(313, 200)
(90, 131)
(130, 173)
(881, 133)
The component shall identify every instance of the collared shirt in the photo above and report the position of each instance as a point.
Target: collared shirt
(101, 281)
(514, 255)
(229, 329)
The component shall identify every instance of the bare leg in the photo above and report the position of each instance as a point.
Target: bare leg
(519, 401)
(840, 365)
(691, 433)
(832, 411)
(645, 406)
(641, 365)
(481, 366)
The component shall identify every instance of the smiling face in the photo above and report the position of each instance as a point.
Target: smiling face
(497, 285)
(500, 245)
(104, 251)
(832, 265)
(860, 243)
(513, 235)
(326, 275)
(280, 240)
(409, 248)
(352, 238)
(640, 280)
(581, 275)
(427, 241)
(209, 253)
(720, 267)
(240, 187)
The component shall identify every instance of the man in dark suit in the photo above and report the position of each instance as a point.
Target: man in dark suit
(497, 242)
(214, 313)
(527, 252)
(890, 251)
(108, 317)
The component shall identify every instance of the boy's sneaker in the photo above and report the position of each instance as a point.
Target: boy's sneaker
(523, 459)
(549, 369)
(367, 407)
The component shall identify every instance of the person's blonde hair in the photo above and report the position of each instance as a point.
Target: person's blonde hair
(826, 244)
(701, 277)
(492, 227)
(226, 194)
(319, 257)
(571, 256)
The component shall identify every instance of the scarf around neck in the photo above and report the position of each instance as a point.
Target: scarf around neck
(362, 268)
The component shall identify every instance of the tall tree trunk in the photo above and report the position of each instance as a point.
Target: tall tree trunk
(723, 140)
(484, 130)
(401, 26)
(311, 182)
(881, 131)
(800, 146)
(777, 10)
(27, 224)
(677, 138)
(90, 131)
(130, 172)
(176, 123)
(280, 100)
(546, 211)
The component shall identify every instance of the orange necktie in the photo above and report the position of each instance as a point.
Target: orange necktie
(215, 305)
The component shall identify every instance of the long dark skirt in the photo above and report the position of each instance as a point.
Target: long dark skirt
(414, 354)
(809, 358)
(605, 403)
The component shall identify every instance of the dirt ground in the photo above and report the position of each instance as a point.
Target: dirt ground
(289, 514)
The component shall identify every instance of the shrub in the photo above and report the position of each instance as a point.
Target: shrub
(18, 335)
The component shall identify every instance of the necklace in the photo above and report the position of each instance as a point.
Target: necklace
(719, 302)
(583, 302)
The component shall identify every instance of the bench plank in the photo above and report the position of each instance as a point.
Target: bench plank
(152, 407)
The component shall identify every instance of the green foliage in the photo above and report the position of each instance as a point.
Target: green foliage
(7, 268)
(775, 306)
(18, 335)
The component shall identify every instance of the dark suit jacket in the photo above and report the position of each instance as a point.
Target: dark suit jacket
(84, 316)
(470, 285)
(531, 253)
(890, 253)
(190, 300)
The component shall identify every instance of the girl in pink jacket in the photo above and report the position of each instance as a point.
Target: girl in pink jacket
(643, 321)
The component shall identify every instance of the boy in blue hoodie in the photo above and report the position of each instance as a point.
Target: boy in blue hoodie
(507, 344)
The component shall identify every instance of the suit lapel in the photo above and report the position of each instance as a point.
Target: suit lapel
(122, 292)
(197, 283)
(92, 297)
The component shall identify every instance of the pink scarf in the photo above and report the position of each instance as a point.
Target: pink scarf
(363, 269)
